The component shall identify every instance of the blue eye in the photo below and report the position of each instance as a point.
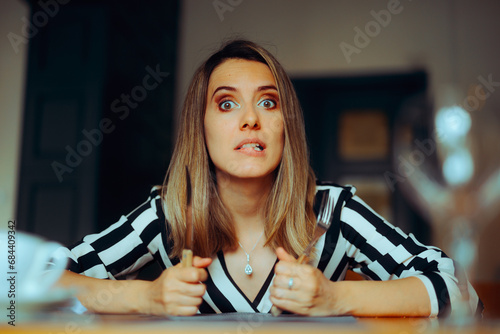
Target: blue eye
(228, 105)
(267, 103)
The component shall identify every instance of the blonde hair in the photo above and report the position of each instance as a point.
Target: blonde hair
(289, 208)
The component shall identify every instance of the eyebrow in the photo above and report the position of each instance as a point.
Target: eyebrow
(233, 89)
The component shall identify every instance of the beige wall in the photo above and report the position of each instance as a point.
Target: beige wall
(12, 79)
(454, 40)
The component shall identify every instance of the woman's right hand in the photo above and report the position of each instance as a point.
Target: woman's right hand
(179, 290)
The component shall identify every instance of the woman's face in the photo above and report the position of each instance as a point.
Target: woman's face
(243, 120)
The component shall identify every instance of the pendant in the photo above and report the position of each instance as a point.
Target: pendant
(248, 269)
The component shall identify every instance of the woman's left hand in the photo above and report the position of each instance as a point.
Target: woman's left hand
(301, 288)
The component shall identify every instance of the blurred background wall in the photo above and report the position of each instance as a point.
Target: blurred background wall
(452, 40)
(12, 81)
(449, 40)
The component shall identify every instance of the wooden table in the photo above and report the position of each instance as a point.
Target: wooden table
(116, 324)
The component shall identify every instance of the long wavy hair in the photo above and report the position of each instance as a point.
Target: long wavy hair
(289, 207)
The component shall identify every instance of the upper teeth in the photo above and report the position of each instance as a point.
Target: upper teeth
(255, 146)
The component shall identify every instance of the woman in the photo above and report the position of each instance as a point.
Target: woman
(255, 202)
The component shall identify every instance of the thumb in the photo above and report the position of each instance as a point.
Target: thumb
(283, 255)
(201, 262)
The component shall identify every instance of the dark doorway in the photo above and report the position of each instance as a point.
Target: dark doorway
(349, 124)
(98, 117)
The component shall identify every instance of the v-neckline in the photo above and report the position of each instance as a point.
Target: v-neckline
(255, 303)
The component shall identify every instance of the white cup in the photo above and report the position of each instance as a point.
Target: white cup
(29, 267)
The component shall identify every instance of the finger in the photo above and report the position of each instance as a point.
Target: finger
(283, 255)
(280, 293)
(285, 268)
(296, 307)
(201, 262)
(283, 291)
(183, 311)
(172, 289)
(192, 275)
(297, 296)
(287, 282)
(191, 290)
(183, 300)
(294, 269)
(183, 306)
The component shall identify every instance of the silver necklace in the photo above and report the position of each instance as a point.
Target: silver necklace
(248, 267)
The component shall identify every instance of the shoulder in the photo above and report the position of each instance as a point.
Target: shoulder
(151, 208)
(155, 197)
(155, 193)
(334, 189)
(337, 194)
(156, 200)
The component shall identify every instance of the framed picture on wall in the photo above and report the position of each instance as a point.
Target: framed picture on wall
(363, 135)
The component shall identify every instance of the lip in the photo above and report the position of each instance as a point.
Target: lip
(250, 151)
(251, 140)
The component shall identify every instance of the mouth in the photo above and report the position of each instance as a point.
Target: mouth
(251, 145)
(254, 146)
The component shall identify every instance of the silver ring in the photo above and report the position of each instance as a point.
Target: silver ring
(290, 283)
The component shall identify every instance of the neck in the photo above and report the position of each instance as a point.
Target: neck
(245, 199)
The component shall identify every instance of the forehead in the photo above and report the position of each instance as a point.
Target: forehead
(239, 72)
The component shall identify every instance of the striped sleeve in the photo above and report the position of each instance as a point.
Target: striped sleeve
(380, 251)
(124, 247)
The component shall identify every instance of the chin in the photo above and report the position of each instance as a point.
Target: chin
(250, 172)
(256, 172)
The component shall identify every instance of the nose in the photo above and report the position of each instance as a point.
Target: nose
(250, 119)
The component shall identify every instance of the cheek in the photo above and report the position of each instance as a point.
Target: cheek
(278, 129)
(210, 125)
(277, 125)
(209, 135)
(217, 137)
(274, 132)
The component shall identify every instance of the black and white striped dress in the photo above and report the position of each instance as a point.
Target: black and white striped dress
(359, 239)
